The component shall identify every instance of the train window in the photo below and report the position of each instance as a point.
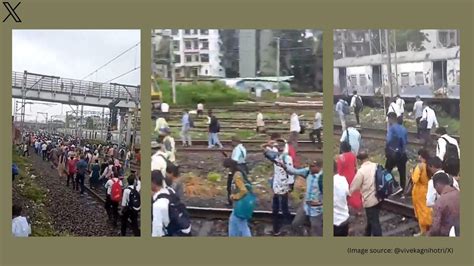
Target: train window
(419, 79)
(405, 79)
(353, 80)
(458, 77)
(362, 80)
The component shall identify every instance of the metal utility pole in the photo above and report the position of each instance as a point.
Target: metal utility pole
(395, 60)
(389, 64)
(370, 42)
(278, 65)
(102, 124)
(173, 74)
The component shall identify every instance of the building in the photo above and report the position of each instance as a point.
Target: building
(352, 43)
(357, 43)
(441, 38)
(196, 53)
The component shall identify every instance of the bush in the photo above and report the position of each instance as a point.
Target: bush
(213, 177)
(192, 94)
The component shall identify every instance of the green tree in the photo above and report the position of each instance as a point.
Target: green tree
(410, 40)
(89, 123)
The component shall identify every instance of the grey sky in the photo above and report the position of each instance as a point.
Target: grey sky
(75, 54)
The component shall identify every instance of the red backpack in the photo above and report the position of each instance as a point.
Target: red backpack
(116, 192)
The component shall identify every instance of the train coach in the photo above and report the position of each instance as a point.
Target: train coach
(96, 134)
(432, 74)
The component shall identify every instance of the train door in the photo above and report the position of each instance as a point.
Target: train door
(377, 76)
(439, 74)
(342, 79)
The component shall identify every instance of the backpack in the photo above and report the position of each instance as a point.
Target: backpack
(244, 207)
(451, 151)
(134, 201)
(15, 170)
(116, 191)
(177, 212)
(358, 103)
(345, 108)
(191, 121)
(346, 140)
(168, 162)
(384, 183)
(218, 126)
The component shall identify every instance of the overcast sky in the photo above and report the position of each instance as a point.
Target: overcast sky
(75, 54)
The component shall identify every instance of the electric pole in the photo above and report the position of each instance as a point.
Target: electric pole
(278, 65)
(389, 64)
(173, 74)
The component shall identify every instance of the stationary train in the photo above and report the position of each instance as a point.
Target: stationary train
(431, 74)
(96, 134)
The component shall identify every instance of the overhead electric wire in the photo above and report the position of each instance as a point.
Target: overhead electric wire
(121, 75)
(110, 61)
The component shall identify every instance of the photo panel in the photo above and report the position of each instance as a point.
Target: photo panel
(397, 130)
(75, 133)
(237, 132)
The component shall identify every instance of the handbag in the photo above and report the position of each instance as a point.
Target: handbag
(244, 207)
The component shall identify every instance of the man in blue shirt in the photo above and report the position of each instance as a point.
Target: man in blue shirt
(312, 207)
(395, 148)
(239, 155)
(81, 167)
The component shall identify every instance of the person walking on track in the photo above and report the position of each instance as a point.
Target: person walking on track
(358, 105)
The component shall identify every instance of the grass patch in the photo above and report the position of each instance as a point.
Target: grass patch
(34, 195)
(192, 94)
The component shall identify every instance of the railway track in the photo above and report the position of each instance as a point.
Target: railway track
(229, 150)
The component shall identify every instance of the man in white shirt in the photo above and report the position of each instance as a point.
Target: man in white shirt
(395, 108)
(200, 109)
(160, 206)
(260, 123)
(158, 161)
(341, 209)
(340, 112)
(316, 128)
(160, 124)
(111, 207)
(427, 122)
(418, 113)
(434, 166)
(20, 225)
(44, 151)
(165, 108)
(401, 105)
(352, 135)
(169, 145)
(127, 211)
(281, 182)
(357, 104)
(295, 127)
(451, 157)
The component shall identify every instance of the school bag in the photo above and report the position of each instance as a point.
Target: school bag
(15, 170)
(358, 103)
(134, 201)
(244, 207)
(191, 121)
(116, 191)
(384, 183)
(177, 212)
(345, 108)
(451, 151)
(346, 140)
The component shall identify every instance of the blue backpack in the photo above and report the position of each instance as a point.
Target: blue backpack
(384, 183)
(15, 170)
(244, 207)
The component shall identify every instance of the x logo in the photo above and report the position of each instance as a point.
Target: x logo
(11, 11)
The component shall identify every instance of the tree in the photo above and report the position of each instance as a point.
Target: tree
(89, 123)
(410, 40)
(301, 56)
